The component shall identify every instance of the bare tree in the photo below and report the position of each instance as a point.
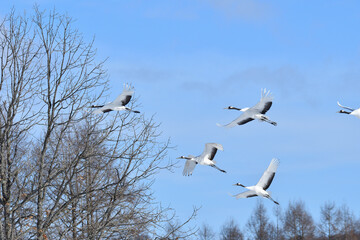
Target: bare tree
(347, 224)
(65, 173)
(176, 230)
(329, 221)
(298, 223)
(206, 232)
(20, 70)
(231, 231)
(278, 234)
(69, 76)
(113, 181)
(259, 226)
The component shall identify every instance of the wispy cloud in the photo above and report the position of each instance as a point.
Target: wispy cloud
(144, 72)
(289, 81)
(203, 87)
(245, 9)
(286, 78)
(170, 12)
(248, 10)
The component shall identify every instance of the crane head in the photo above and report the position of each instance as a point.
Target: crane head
(343, 111)
(190, 157)
(239, 184)
(234, 108)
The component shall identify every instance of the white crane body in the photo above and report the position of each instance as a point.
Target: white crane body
(206, 159)
(264, 183)
(256, 112)
(118, 104)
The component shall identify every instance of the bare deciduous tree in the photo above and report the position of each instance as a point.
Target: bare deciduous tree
(65, 173)
(206, 232)
(298, 223)
(231, 231)
(347, 224)
(259, 226)
(278, 220)
(328, 226)
(20, 71)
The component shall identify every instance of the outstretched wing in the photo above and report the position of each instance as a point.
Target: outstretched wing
(103, 109)
(211, 149)
(124, 97)
(265, 102)
(246, 117)
(268, 175)
(247, 194)
(189, 167)
(351, 109)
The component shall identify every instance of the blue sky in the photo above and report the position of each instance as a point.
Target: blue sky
(189, 59)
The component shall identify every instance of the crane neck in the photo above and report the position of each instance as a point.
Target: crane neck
(342, 111)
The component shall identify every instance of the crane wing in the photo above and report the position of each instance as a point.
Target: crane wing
(97, 111)
(351, 109)
(103, 109)
(265, 102)
(246, 117)
(189, 167)
(124, 97)
(247, 194)
(211, 149)
(268, 175)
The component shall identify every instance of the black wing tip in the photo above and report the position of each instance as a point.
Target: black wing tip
(266, 107)
(213, 153)
(126, 100)
(269, 181)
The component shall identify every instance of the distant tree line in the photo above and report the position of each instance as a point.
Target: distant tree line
(294, 223)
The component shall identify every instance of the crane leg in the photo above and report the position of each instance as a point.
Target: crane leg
(214, 166)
